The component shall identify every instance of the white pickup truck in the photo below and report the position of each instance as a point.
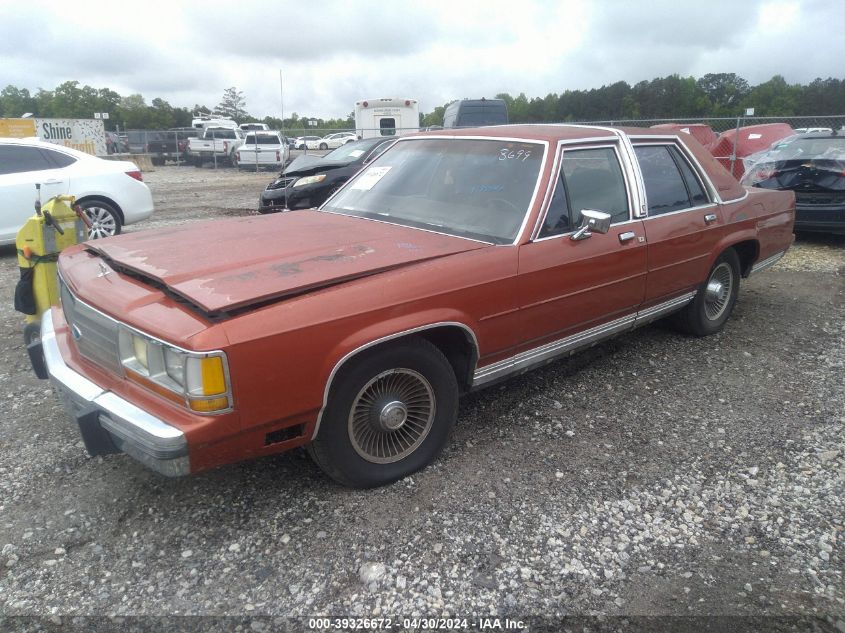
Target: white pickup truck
(216, 143)
(262, 149)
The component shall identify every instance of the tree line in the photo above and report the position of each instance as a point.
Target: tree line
(713, 95)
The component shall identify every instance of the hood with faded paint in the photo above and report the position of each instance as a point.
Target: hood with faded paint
(224, 265)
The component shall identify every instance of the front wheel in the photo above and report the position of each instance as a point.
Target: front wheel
(105, 220)
(389, 414)
(323, 146)
(715, 299)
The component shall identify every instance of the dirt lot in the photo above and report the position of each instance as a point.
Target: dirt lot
(655, 474)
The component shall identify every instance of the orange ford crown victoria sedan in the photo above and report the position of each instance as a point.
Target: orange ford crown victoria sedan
(454, 260)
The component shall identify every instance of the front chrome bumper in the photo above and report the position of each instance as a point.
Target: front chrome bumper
(107, 421)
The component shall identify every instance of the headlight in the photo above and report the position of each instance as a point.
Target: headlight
(309, 180)
(758, 173)
(196, 380)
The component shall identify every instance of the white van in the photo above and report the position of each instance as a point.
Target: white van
(386, 117)
(475, 113)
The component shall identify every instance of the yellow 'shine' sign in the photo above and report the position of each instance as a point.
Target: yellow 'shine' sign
(17, 128)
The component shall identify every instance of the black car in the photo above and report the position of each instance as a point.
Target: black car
(813, 166)
(310, 180)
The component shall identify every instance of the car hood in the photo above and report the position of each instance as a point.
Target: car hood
(225, 265)
(312, 167)
(303, 161)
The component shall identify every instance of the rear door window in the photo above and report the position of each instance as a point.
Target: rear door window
(670, 183)
(15, 159)
(58, 159)
(388, 127)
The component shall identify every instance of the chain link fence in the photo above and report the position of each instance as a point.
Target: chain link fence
(730, 139)
(160, 145)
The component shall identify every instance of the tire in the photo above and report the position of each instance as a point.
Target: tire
(715, 299)
(157, 161)
(323, 146)
(104, 218)
(198, 162)
(359, 448)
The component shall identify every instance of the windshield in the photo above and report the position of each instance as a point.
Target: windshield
(480, 189)
(351, 151)
(218, 132)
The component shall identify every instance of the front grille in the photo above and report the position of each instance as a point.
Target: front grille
(820, 197)
(281, 183)
(805, 215)
(94, 333)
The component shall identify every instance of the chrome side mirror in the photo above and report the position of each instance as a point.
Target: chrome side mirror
(591, 220)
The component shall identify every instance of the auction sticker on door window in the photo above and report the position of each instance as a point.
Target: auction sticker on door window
(369, 178)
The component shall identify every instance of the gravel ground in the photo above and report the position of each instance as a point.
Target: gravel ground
(654, 475)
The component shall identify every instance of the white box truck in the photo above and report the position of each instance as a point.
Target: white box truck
(386, 117)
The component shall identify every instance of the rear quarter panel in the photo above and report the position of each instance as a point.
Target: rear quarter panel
(764, 216)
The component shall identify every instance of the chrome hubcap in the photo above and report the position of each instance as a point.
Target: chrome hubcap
(714, 290)
(391, 416)
(103, 223)
(717, 294)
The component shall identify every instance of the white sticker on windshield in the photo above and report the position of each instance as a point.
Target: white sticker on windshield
(356, 153)
(369, 178)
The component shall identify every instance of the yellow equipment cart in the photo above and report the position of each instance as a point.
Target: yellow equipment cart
(57, 224)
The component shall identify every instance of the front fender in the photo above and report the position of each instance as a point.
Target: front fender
(386, 331)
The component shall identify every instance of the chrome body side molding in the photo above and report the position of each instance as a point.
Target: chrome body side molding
(538, 356)
(766, 263)
(662, 309)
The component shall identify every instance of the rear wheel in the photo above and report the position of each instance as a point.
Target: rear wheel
(389, 414)
(323, 146)
(715, 299)
(105, 220)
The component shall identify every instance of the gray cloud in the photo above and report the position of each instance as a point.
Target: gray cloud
(335, 52)
(328, 31)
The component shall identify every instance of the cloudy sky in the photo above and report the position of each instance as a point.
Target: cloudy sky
(332, 53)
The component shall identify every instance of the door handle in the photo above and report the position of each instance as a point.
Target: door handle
(710, 218)
(627, 236)
(53, 181)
